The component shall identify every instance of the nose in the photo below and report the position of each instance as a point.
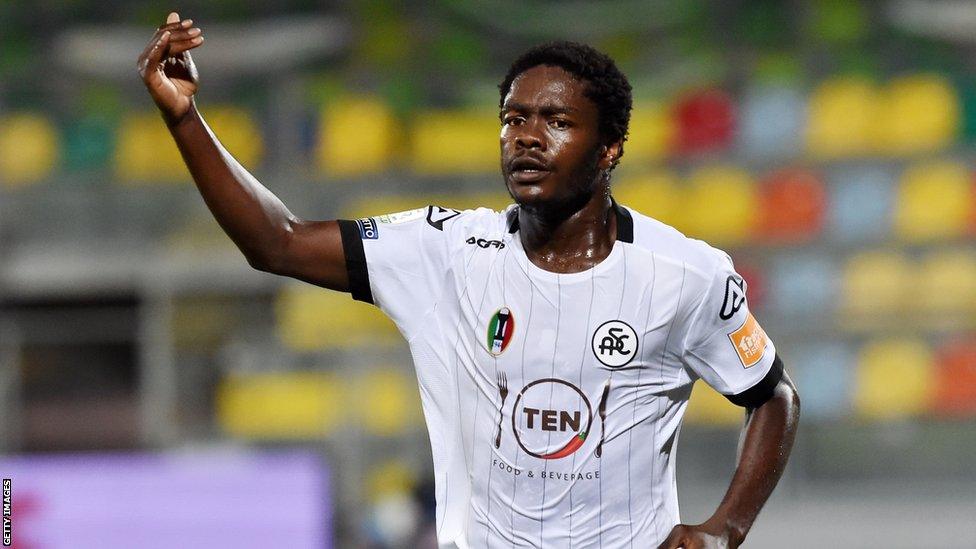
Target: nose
(530, 137)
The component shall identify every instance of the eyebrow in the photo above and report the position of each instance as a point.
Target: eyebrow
(544, 109)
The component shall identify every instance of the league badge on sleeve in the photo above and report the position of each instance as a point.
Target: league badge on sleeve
(749, 341)
(501, 327)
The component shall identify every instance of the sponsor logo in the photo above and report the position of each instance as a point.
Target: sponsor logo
(368, 229)
(7, 511)
(501, 327)
(402, 217)
(614, 343)
(735, 297)
(436, 216)
(482, 243)
(749, 341)
(547, 432)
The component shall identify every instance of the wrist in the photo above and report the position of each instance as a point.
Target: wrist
(173, 121)
(733, 531)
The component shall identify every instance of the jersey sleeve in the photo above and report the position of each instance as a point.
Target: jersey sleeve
(399, 262)
(726, 346)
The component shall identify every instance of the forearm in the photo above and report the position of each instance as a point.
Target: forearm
(254, 218)
(767, 440)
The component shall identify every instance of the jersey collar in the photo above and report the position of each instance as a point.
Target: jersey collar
(625, 222)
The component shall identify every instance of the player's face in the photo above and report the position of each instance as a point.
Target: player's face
(552, 155)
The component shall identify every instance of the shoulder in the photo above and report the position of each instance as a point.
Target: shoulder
(670, 244)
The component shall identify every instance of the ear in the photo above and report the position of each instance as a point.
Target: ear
(610, 154)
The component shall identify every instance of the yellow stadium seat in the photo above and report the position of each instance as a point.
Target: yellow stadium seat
(722, 205)
(29, 149)
(917, 113)
(877, 286)
(292, 405)
(358, 135)
(894, 379)
(310, 319)
(934, 201)
(455, 142)
(946, 287)
(238, 132)
(389, 478)
(388, 402)
(841, 118)
(145, 151)
(708, 407)
(369, 206)
(650, 134)
(657, 194)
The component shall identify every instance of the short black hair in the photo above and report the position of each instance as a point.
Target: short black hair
(606, 86)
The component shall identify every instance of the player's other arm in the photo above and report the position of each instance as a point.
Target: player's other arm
(271, 237)
(767, 439)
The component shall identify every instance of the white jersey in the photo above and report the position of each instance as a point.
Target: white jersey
(553, 401)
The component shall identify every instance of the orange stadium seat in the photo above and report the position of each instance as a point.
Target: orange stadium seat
(947, 280)
(793, 206)
(917, 113)
(282, 405)
(934, 201)
(29, 149)
(651, 133)
(841, 117)
(472, 138)
(722, 205)
(877, 286)
(312, 319)
(955, 392)
(894, 380)
(657, 194)
(357, 135)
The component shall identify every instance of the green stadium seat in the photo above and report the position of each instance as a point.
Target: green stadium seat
(877, 287)
(955, 391)
(793, 206)
(895, 379)
(934, 202)
(919, 113)
(88, 143)
(29, 149)
(471, 138)
(722, 205)
(357, 136)
(841, 118)
(309, 319)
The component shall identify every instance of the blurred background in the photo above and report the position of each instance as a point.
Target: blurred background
(157, 392)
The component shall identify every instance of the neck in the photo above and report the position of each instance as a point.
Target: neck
(572, 241)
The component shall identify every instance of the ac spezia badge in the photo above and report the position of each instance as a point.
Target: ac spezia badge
(614, 343)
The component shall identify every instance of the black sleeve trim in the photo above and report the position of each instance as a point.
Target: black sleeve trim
(352, 246)
(759, 393)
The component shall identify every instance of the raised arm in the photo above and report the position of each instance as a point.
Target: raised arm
(271, 237)
(767, 439)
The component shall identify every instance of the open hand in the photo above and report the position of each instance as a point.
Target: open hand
(167, 69)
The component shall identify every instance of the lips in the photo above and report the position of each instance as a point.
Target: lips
(527, 169)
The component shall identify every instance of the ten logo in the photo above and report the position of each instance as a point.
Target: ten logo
(500, 330)
(735, 297)
(614, 343)
(547, 433)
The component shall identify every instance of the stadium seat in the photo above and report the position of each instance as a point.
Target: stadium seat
(877, 286)
(651, 133)
(772, 122)
(88, 143)
(949, 278)
(709, 407)
(281, 405)
(793, 206)
(312, 319)
(841, 118)
(368, 206)
(721, 205)
(238, 132)
(955, 392)
(470, 137)
(918, 113)
(145, 151)
(657, 194)
(895, 379)
(705, 121)
(357, 136)
(934, 201)
(860, 203)
(803, 285)
(388, 401)
(29, 149)
(824, 374)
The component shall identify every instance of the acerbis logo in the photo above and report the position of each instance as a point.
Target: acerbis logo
(436, 216)
(735, 297)
(482, 243)
(546, 430)
(614, 343)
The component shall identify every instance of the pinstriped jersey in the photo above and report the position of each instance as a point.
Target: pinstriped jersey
(553, 401)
